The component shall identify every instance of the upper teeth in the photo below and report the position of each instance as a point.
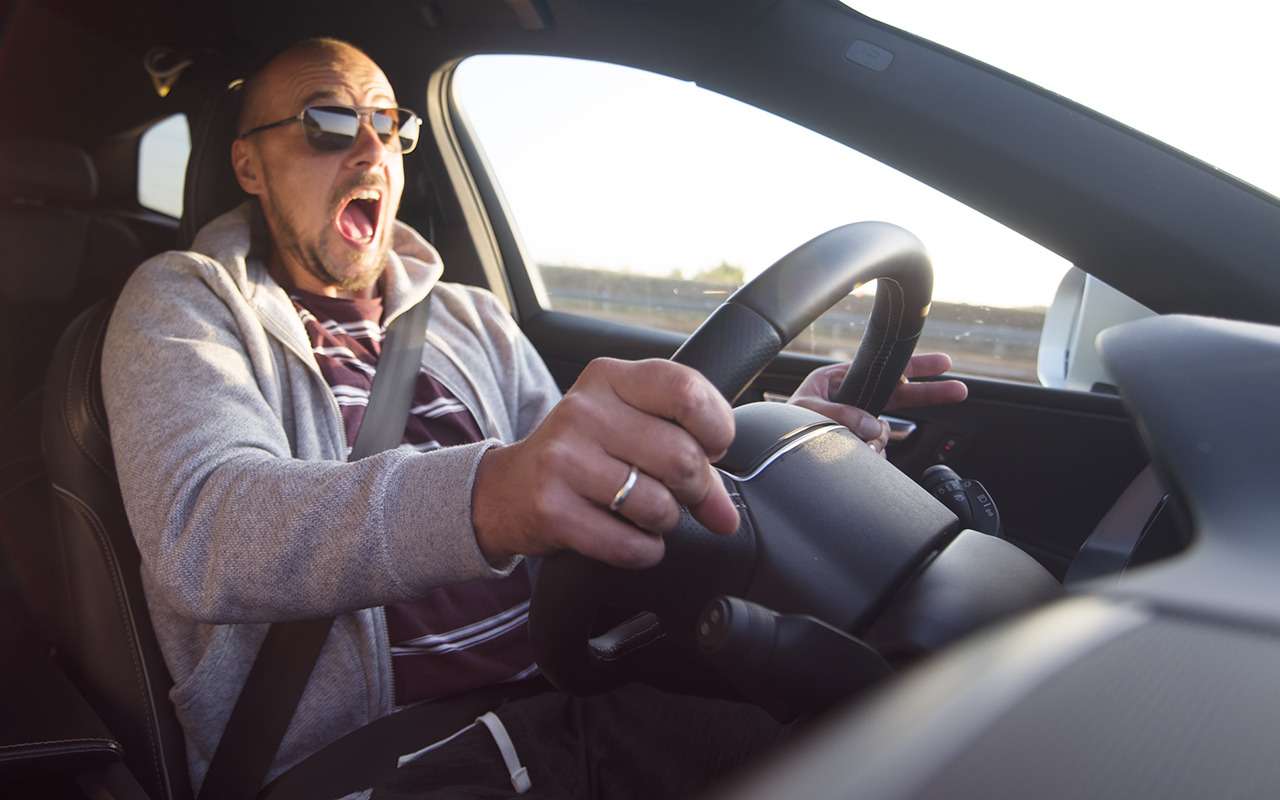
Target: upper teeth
(367, 194)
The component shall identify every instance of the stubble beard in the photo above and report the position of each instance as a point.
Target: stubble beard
(310, 254)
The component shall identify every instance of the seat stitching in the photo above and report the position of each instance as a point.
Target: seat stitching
(140, 669)
(89, 375)
(98, 342)
(68, 405)
(85, 739)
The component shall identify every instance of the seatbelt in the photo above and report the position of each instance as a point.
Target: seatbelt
(290, 650)
(392, 390)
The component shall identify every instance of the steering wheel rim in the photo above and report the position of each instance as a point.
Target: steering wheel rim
(731, 347)
(758, 320)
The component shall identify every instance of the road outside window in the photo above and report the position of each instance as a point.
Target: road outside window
(646, 200)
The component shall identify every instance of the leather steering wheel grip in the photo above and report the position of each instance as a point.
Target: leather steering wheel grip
(752, 326)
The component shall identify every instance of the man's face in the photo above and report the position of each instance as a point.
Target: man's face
(330, 213)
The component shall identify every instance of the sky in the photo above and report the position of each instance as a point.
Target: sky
(605, 166)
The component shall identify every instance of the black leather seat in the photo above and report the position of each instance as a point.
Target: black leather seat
(104, 638)
(104, 634)
(61, 255)
(210, 189)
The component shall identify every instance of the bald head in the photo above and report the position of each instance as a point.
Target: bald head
(263, 88)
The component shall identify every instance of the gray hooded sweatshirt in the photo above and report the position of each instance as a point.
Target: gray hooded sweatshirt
(230, 451)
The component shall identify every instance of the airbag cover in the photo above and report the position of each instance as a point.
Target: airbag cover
(838, 526)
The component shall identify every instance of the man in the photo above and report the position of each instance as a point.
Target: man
(235, 378)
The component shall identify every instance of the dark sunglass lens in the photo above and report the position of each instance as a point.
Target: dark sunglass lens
(385, 123)
(331, 127)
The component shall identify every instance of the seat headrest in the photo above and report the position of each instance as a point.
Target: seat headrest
(42, 172)
(211, 189)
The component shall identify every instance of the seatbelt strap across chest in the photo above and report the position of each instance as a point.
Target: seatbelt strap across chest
(288, 654)
(392, 392)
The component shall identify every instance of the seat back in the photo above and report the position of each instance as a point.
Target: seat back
(104, 635)
(62, 255)
(211, 188)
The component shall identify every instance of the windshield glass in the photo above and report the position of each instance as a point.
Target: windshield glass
(1198, 77)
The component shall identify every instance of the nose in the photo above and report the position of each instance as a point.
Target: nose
(367, 150)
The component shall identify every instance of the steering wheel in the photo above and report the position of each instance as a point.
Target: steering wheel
(828, 529)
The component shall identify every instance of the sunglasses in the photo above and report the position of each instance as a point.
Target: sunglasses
(333, 128)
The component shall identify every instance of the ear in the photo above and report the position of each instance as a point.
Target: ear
(244, 162)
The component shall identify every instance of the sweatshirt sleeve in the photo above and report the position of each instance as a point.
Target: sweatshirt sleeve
(230, 526)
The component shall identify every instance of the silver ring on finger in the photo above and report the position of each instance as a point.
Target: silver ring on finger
(622, 494)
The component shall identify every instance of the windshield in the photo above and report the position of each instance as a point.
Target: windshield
(1198, 77)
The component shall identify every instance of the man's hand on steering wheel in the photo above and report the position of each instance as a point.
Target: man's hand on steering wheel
(817, 389)
(555, 489)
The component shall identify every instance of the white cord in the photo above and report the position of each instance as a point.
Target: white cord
(519, 773)
(414, 756)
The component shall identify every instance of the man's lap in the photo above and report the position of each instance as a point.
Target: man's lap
(634, 742)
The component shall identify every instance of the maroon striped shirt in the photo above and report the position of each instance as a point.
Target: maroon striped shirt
(457, 637)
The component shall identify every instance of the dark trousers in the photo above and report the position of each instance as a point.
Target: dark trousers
(634, 742)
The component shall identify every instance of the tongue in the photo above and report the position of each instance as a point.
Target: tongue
(354, 223)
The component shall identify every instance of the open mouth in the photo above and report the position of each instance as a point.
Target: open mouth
(358, 216)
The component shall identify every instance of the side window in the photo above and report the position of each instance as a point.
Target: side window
(162, 165)
(644, 199)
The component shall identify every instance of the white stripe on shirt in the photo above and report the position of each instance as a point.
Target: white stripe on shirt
(356, 330)
(463, 644)
(428, 409)
(335, 352)
(466, 630)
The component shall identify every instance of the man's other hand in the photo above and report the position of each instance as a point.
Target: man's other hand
(553, 489)
(816, 391)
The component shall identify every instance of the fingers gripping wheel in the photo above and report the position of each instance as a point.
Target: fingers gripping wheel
(573, 594)
(731, 348)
